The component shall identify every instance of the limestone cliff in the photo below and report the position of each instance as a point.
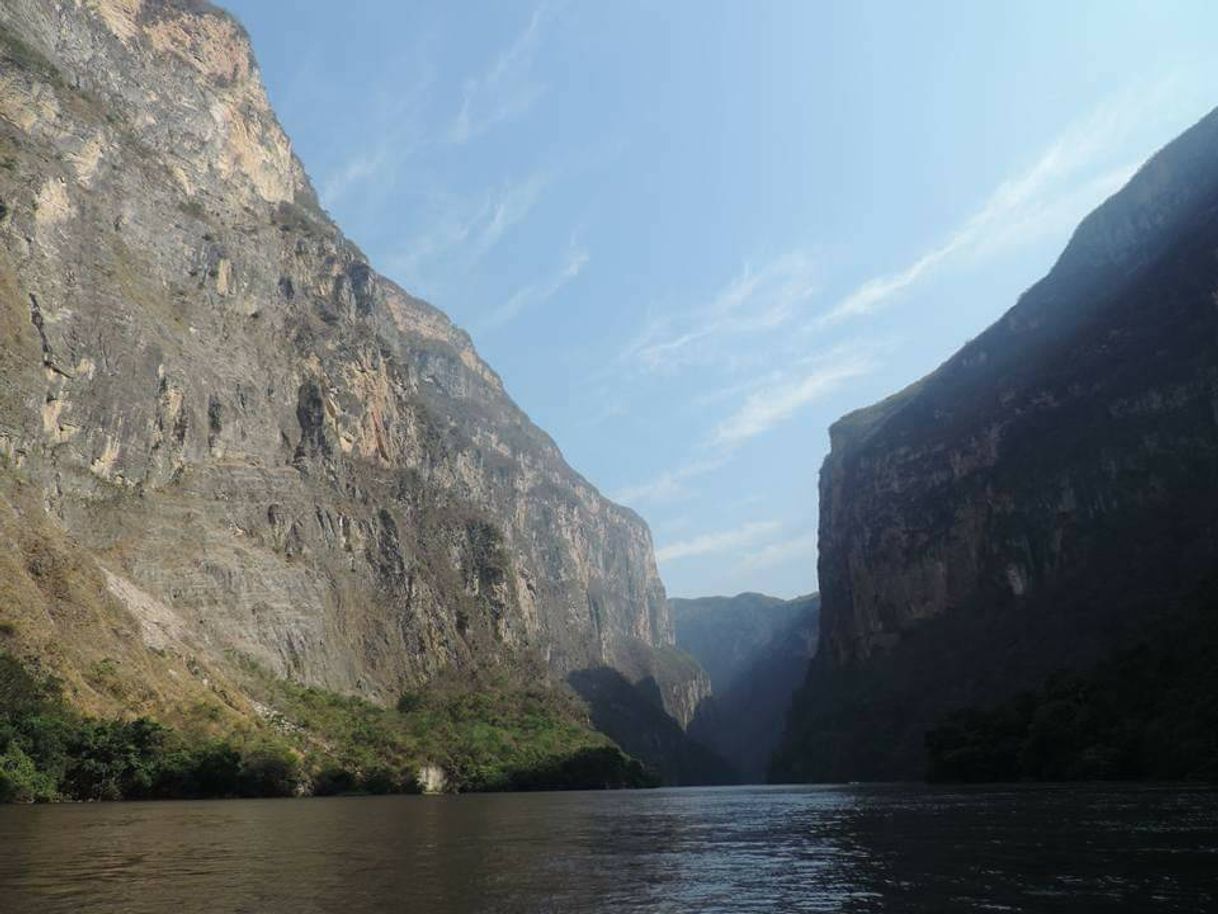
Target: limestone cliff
(263, 448)
(1037, 500)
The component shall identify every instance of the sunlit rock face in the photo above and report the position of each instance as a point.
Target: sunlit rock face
(1038, 498)
(273, 450)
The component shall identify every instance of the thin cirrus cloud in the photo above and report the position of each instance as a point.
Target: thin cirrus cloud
(506, 90)
(456, 230)
(670, 485)
(502, 213)
(755, 302)
(772, 399)
(712, 543)
(360, 168)
(754, 306)
(395, 125)
(801, 546)
(536, 293)
(1057, 190)
(464, 233)
(765, 408)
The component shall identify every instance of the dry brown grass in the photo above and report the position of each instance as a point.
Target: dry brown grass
(57, 614)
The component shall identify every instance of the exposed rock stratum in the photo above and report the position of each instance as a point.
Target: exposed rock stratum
(227, 439)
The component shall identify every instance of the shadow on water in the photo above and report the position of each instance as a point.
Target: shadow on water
(742, 849)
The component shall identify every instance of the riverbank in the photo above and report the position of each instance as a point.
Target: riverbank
(308, 742)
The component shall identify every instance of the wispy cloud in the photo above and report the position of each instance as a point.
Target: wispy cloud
(784, 550)
(712, 543)
(395, 131)
(542, 290)
(1055, 190)
(359, 168)
(776, 402)
(506, 90)
(736, 389)
(502, 213)
(464, 232)
(1056, 214)
(771, 399)
(1070, 176)
(757, 300)
(407, 128)
(669, 485)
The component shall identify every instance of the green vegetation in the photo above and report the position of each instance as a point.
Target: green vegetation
(48, 752)
(1150, 712)
(308, 219)
(494, 735)
(192, 208)
(498, 738)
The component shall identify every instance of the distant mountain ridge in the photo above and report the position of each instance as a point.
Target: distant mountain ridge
(755, 649)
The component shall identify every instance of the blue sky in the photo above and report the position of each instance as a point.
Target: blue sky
(690, 235)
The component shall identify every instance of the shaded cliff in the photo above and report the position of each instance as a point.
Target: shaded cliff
(630, 715)
(756, 650)
(1040, 499)
(249, 443)
(1147, 711)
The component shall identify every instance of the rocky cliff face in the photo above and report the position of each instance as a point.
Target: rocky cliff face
(1040, 497)
(264, 448)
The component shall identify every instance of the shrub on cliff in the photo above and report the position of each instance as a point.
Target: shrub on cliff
(269, 770)
(49, 752)
(492, 735)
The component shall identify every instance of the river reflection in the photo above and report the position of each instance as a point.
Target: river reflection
(890, 848)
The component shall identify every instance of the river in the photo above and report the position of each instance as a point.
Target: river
(903, 848)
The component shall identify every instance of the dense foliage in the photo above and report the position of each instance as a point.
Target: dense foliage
(495, 734)
(496, 738)
(1147, 712)
(48, 752)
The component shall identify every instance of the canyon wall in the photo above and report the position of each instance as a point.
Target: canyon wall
(1040, 499)
(264, 451)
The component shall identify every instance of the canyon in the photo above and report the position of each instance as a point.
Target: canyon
(756, 650)
(228, 444)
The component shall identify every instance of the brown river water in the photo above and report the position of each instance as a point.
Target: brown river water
(900, 848)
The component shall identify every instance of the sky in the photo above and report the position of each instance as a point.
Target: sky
(691, 234)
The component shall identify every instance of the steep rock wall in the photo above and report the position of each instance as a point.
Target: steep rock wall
(1036, 500)
(221, 401)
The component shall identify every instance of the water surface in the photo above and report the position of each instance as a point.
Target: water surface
(745, 849)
